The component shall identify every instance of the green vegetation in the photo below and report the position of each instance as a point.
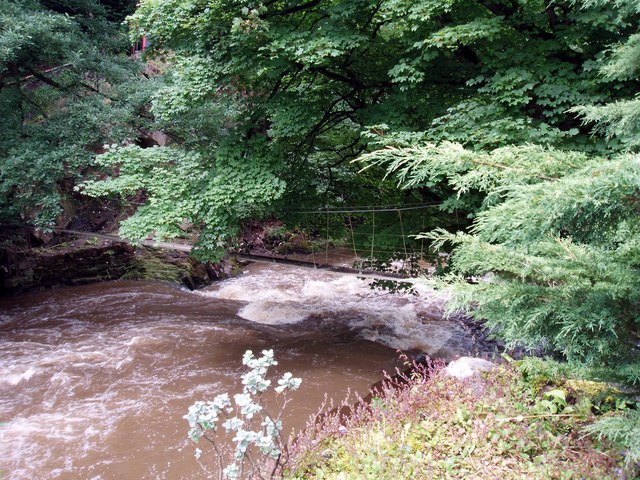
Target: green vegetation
(556, 246)
(518, 119)
(266, 104)
(270, 102)
(442, 428)
(66, 87)
(152, 265)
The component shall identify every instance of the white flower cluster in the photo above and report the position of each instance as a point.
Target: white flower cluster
(287, 382)
(204, 416)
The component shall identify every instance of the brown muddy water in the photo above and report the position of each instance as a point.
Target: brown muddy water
(95, 380)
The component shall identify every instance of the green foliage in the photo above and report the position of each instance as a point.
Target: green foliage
(212, 193)
(618, 120)
(555, 247)
(306, 82)
(622, 428)
(440, 428)
(539, 372)
(469, 172)
(552, 256)
(619, 424)
(65, 89)
(553, 401)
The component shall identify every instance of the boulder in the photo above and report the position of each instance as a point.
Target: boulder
(468, 367)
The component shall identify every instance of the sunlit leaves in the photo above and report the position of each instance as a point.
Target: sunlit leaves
(185, 185)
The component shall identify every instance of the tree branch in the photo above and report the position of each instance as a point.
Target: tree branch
(293, 9)
(339, 77)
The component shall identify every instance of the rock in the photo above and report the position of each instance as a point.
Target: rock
(299, 244)
(327, 453)
(466, 367)
(467, 370)
(47, 268)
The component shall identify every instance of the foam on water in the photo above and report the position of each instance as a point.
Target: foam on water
(280, 295)
(63, 398)
(95, 380)
(13, 377)
(272, 313)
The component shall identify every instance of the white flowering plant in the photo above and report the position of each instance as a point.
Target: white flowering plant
(257, 441)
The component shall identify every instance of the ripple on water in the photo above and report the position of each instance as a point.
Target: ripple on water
(95, 380)
(280, 295)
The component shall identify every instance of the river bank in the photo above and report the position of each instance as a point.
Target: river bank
(74, 260)
(495, 424)
(31, 260)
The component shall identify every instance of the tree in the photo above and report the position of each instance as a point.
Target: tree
(66, 87)
(618, 120)
(553, 255)
(291, 92)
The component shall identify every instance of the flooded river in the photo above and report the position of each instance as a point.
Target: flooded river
(95, 380)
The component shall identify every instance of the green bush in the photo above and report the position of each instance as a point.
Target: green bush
(441, 428)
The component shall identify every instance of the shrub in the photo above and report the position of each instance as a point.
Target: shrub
(437, 427)
(257, 449)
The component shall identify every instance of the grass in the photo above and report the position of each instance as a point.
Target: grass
(438, 428)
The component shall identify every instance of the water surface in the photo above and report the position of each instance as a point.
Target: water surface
(95, 380)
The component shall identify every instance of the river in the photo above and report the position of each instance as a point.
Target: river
(95, 380)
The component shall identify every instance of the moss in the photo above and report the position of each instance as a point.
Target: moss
(542, 374)
(236, 267)
(597, 392)
(294, 243)
(153, 265)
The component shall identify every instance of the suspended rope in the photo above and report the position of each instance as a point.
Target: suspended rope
(379, 206)
(373, 235)
(369, 210)
(422, 239)
(313, 250)
(353, 238)
(365, 234)
(373, 209)
(404, 243)
(326, 243)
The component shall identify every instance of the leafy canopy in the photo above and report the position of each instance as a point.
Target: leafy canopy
(66, 87)
(297, 90)
(553, 254)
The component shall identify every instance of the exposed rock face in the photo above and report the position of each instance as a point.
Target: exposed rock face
(77, 264)
(46, 268)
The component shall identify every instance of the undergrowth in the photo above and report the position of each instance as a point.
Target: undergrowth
(433, 427)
